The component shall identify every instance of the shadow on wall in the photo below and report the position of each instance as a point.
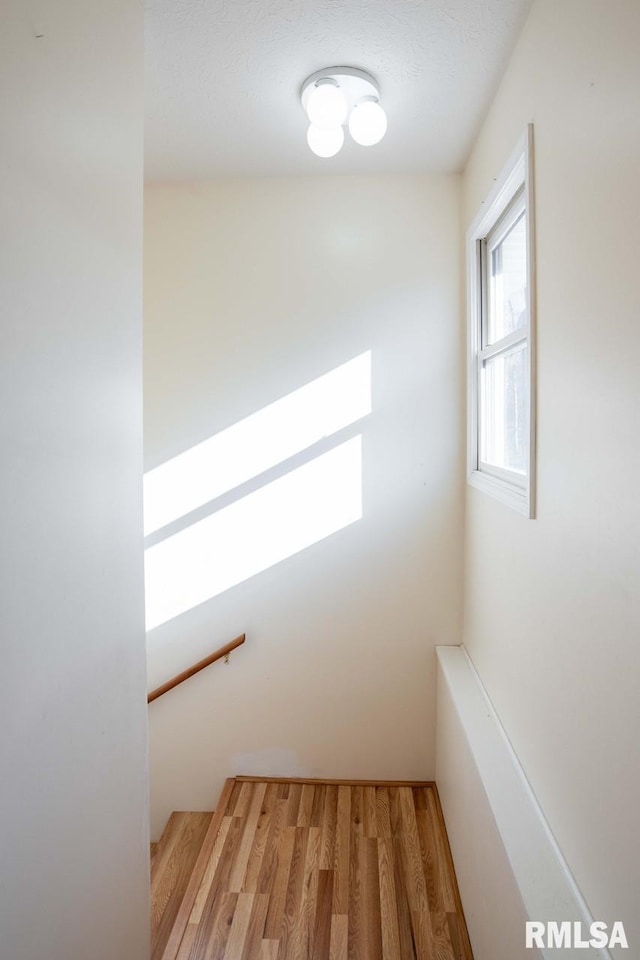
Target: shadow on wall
(256, 493)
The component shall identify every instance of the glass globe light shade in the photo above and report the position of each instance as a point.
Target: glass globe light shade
(327, 106)
(367, 123)
(325, 143)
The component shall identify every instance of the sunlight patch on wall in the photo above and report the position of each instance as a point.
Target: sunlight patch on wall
(257, 443)
(263, 528)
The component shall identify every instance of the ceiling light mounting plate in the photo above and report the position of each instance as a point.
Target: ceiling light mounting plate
(354, 83)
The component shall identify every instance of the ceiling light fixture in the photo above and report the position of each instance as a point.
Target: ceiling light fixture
(339, 95)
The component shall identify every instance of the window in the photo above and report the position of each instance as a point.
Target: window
(501, 442)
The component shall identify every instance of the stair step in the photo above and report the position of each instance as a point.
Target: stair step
(172, 863)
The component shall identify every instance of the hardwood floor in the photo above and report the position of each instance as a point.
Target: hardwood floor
(293, 870)
(172, 864)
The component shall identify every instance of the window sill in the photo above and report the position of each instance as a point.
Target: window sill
(510, 494)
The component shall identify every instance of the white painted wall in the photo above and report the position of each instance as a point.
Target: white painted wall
(552, 616)
(252, 289)
(73, 790)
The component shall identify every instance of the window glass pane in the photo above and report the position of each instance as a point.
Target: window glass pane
(503, 410)
(508, 283)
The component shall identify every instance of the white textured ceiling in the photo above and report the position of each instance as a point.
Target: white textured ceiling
(223, 79)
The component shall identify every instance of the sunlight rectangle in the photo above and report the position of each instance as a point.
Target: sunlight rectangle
(257, 443)
(252, 534)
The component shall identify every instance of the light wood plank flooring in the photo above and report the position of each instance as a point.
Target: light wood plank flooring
(322, 871)
(172, 863)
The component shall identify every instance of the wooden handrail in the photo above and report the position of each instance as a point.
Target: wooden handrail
(200, 665)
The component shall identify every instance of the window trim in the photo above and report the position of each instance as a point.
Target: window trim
(516, 176)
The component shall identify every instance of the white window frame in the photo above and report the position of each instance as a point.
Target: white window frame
(508, 486)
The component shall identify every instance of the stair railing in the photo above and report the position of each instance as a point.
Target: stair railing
(196, 668)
